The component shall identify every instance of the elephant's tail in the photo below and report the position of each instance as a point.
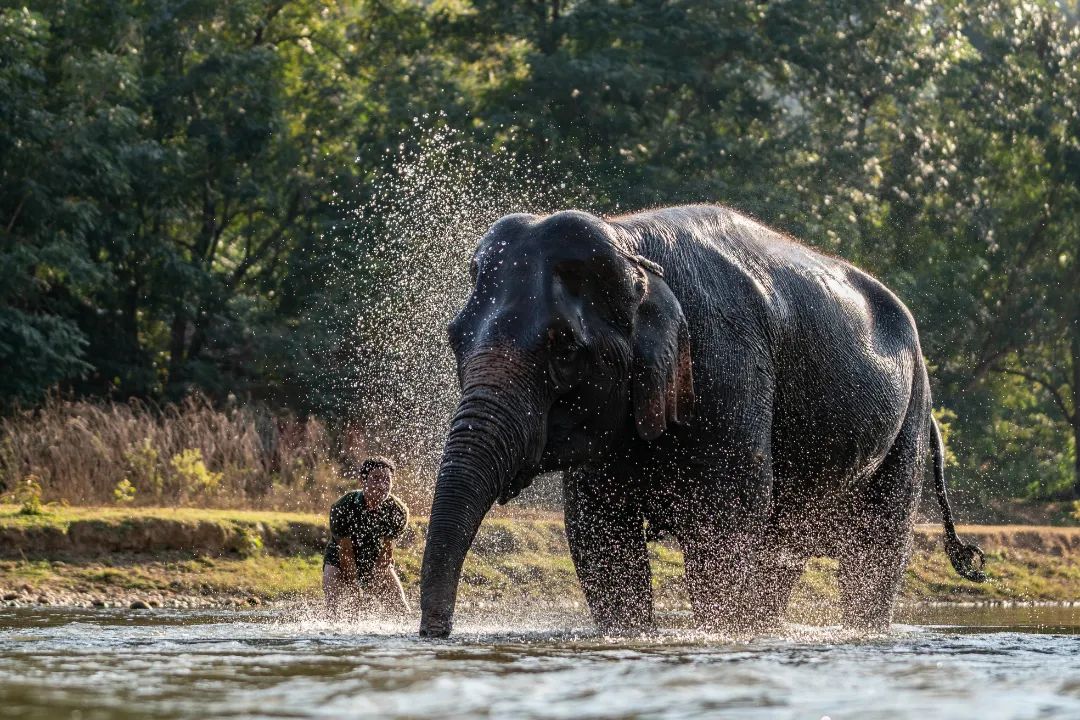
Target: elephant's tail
(967, 560)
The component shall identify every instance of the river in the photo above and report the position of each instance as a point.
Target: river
(937, 663)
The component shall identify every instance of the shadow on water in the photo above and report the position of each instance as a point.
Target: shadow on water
(944, 662)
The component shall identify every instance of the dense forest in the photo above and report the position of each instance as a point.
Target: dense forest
(176, 176)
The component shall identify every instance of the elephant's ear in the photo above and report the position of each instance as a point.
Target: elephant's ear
(662, 386)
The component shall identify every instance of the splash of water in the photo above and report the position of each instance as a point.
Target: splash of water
(415, 237)
(540, 621)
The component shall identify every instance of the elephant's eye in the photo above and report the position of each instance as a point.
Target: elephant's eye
(567, 360)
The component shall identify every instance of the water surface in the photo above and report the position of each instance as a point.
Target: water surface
(943, 663)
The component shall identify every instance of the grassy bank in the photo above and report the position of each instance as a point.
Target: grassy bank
(190, 557)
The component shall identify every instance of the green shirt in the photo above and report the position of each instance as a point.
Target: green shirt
(350, 517)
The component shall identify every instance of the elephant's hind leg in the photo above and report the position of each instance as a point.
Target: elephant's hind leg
(605, 531)
(725, 554)
(876, 546)
(720, 577)
(739, 583)
(779, 568)
(871, 573)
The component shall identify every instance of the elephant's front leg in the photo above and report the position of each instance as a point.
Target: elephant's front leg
(607, 542)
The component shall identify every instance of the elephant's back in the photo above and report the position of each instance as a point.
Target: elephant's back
(800, 293)
(842, 350)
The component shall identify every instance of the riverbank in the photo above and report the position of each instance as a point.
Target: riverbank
(115, 557)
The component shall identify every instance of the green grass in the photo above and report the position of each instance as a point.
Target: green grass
(1015, 574)
(269, 577)
(512, 558)
(61, 516)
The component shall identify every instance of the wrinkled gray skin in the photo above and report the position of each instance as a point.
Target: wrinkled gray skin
(697, 373)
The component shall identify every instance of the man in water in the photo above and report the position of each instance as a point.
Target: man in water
(358, 562)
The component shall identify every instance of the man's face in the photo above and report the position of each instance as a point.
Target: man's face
(377, 485)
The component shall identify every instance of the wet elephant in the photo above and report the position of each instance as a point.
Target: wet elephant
(695, 373)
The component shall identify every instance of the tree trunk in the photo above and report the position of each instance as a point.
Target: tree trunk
(177, 338)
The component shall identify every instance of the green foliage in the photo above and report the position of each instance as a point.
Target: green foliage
(251, 542)
(174, 182)
(28, 496)
(945, 418)
(157, 170)
(124, 492)
(192, 474)
(142, 465)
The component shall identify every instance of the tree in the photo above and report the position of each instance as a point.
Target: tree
(1008, 140)
(43, 249)
(179, 181)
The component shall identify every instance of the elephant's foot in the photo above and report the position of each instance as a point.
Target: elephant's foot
(741, 584)
(624, 621)
(868, 602)
(618, 588)
(435, 631)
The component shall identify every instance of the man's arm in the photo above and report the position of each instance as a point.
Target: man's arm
(386, 554)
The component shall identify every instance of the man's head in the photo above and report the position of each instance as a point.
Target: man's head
(376, 476)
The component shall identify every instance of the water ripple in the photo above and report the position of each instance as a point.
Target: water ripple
(255, 665)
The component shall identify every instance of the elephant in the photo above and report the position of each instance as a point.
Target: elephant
(693, 374)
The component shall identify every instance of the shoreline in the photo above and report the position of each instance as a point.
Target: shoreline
(232, 603)
(149, 558)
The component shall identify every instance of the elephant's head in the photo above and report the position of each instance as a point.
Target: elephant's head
(566, 342)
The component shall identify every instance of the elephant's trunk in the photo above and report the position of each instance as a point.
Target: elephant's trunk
(497, 432)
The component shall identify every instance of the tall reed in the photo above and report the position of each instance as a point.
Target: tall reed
(191, 454)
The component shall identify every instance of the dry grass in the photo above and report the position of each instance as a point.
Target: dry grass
(189, 454)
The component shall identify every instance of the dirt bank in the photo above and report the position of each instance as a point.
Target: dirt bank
(192, 558)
